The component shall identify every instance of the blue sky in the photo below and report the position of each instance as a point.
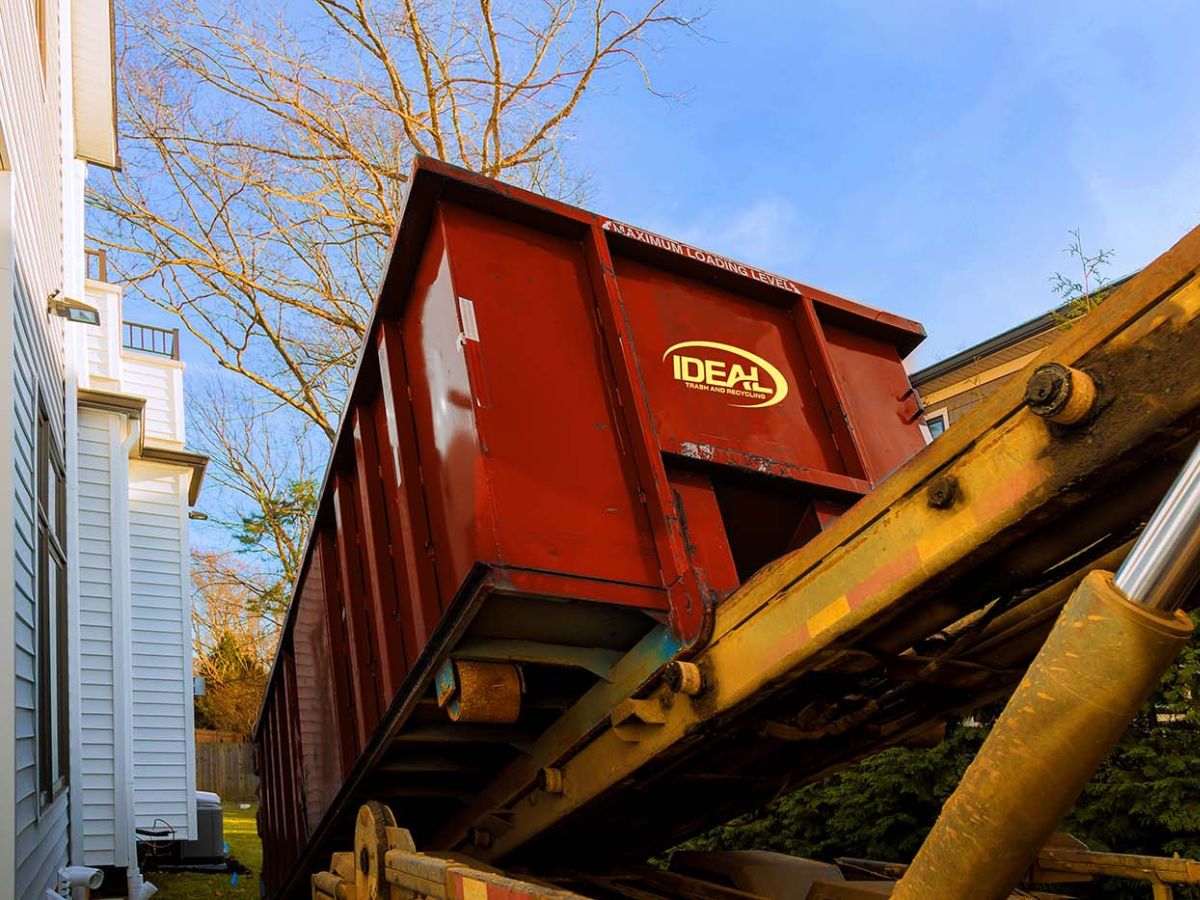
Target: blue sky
(926, 157)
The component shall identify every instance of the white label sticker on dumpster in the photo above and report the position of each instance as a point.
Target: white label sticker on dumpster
(466, 311)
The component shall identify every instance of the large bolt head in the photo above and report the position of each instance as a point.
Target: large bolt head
(1046, 385)
(942, 492)
(1061, 394)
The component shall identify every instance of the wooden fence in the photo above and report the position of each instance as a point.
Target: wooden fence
(225, 765)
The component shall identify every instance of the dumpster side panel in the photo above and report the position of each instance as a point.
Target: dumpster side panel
(320, 762)
(322, 571)
(881, 402)
(460, 512)
(723, 370)
(400, 468)
(294, 774)
(360, 625)
(559, 473)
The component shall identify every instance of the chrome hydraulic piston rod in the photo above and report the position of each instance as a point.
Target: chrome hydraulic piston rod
(1164, 565)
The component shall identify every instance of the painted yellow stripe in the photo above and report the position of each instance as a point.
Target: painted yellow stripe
(474, 890)
(945, 534)
(827, 616)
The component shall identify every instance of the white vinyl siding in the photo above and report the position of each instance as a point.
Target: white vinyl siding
(163, 749)
(7, 498)
(41, 839)
(31, 130)
(104, 343)
(160, 381)
(96, 782)
(41, 252)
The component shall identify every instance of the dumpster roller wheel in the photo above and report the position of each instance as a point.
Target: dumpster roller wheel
(371, 836)
(475, 691)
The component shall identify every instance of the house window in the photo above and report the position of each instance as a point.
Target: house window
(937, 422)
(52, 664)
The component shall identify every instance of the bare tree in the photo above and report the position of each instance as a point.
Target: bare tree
(232, 641)
(262, 461)
(1083, 293)
(266, 149)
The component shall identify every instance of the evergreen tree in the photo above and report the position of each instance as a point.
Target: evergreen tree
(1145, 798)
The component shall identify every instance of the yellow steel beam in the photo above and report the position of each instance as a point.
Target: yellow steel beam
(896, 558)
(1077, 861)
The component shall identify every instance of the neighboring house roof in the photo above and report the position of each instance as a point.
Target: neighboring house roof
(1002, 341)
(952, 387)
(992, 345)
(135, 407)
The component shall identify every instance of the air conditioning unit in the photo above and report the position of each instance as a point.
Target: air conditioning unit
(209, 845)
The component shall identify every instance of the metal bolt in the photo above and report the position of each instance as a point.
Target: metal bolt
(551, 780)
(1061, 394)
(942, 492)
(1047, 386)
(684, 678)
(481, 838)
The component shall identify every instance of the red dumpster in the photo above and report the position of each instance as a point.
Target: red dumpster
(563, 432)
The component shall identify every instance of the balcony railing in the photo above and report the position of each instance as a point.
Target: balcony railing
(150, 339)
(96, 262)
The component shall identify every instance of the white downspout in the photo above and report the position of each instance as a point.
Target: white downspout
(74, 343)
(123, 660)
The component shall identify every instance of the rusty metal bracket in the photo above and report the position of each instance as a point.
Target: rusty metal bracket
(631, 718)
(596, 660)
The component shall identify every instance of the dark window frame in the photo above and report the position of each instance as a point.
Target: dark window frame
(53, 670)
(941, 416)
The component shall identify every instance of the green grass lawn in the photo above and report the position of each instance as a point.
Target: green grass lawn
(241, 835)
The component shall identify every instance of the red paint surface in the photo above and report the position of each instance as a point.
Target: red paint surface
(665, 310)
(519, 413)
(553, 478)
(878, 397)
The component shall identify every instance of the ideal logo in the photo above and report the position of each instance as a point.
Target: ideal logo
(724, 369)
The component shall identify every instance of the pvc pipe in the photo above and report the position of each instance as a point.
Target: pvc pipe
(139, 888)
(80, 876)
(1164, 565)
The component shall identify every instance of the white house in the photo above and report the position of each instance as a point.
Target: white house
(95, 484)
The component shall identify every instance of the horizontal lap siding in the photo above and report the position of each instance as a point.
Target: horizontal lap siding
(97, 352)
(30, 128)
(96, 779)
(160, 637)
(154, 380)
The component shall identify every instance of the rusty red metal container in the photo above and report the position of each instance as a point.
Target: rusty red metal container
(559, 409)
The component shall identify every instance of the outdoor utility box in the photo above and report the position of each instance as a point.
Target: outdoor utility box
(589, 427)
(209, 844)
